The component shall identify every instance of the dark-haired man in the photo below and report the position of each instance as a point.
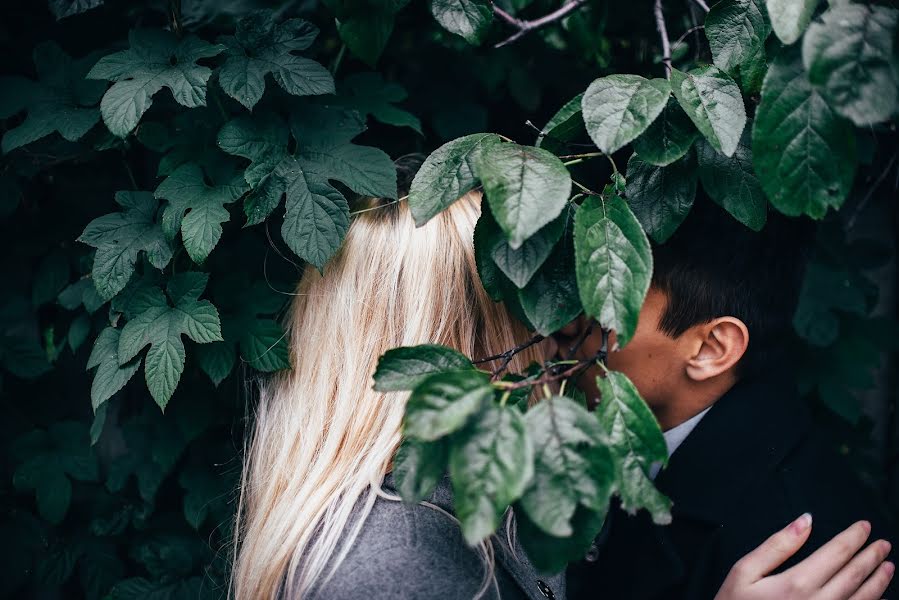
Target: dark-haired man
(709, 358)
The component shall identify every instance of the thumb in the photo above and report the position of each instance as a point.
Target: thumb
(774, 551)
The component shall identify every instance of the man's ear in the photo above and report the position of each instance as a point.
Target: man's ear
(723, 343)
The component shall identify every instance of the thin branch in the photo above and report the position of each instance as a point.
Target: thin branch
(553, 374)
(525, 27)
(681, 39)
(508, 355)
(702, 5)
(663, 33)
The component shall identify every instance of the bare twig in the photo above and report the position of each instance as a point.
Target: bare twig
(663, 34)
(525, 27)
(508, 355)
(702, 5)
(681, 39)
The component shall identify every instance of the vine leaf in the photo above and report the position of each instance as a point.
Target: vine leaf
(526, 188)
(155, 59)
(447, 174)
(259, 47)
(618, 108)
(737, 30)
(370, 94)
(713, 102)
(120, 237)
(111, 375)
(803, 152)
(490, 464)
(613, 263)
(187, 191)
(789, 18)
(668, 138)
(636, 442)
(161, 325)
(732, 184)
(572, 465)
(402, 369)
(849, 56)
(418, 466)
(443, 402)
(61, 100)
(470, 19)
(661, 197)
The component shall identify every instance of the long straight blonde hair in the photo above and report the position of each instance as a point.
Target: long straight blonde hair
(323, 439)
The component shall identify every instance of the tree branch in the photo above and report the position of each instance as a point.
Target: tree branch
(702, 5)
(663, 33)
(525, 27)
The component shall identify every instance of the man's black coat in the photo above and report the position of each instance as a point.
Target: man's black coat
(751, 465)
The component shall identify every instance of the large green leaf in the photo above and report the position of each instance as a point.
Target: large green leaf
(526, 188)
(470, 19)
(789, 18)
(563, 127)
(520, 265)
(120, 237)
(712, 100)
(550, 300)
(803, 152)
(736, 30)
(491, 465)
(111, 375)
(60, 100)
(446, 174)
(636, 442)
(732, 184)
(404, 368)
(613, 263)
(572, 465)
(418, 466)
(849, 54)
(661, 197)
(443, 402)
(668, 138)
(156, 59)
(618, 108)
(261, 46)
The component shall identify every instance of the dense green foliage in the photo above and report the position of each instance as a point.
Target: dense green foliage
(151, 149)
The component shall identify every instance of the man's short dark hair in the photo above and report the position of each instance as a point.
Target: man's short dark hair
(713, 266)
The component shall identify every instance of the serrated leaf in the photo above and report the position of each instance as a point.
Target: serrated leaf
(618, 108)
(789, 18)
(732, 184)
(636, 442)
(443, 402)
(737, 30)
(155, 59)
(111, 376)
(447, 174)
(401, 369)
(264, 346)
(370, 94)
(668, 138)
(572, 465)
(259, 47)
(661, 197)
(803, 152)
(491, 464)
(59, 101)
(120, 237)
(613, 263)
(526, 188)
(850, 56)
(564, 126)
(712, 100)
(216, 360)
(418, 466)
(470, 19)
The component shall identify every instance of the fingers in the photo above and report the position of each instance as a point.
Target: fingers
(774, 551)
(818, 568)
(851, 577)
(876, 584)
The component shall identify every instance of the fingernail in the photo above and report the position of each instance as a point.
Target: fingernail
(887, 547)
(866, 525)
(890, 568)
(801, 524)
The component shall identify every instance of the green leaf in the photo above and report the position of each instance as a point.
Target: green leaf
(60, 100)
(370, 94)
(79, 329)
(470, 19)
(418, 466)
(668, 138)
(51, 277)
(636, 442)
(264, 346)
(447, 174)
(443, 402)
(187, 191)
(713, 102)
(366, 27)
(259, 47)
(618, 108)
(120, 237)
(551, 554)
(66, 8)
(732, 184)
(217, 360)
(803, 152)
(491, 465)
(737, 30)
(161, 326)
(661, 197)
(789, 18)
(520, 265)
(402, 369)
(613, 263)
(111, 376)
(849, 54)
(564, 126)
(550, 300)
(572, 465)
(156, 59)
(526, 188)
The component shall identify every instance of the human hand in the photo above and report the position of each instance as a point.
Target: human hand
(836, 571)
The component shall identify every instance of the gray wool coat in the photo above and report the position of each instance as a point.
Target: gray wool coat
(414, 552)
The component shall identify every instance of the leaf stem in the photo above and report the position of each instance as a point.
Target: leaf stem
(663, 34)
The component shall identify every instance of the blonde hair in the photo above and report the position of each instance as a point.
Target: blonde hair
(323, 439)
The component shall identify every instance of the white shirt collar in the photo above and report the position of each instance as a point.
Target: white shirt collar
(675, 436)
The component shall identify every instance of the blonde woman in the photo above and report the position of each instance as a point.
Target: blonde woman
(318, 515)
